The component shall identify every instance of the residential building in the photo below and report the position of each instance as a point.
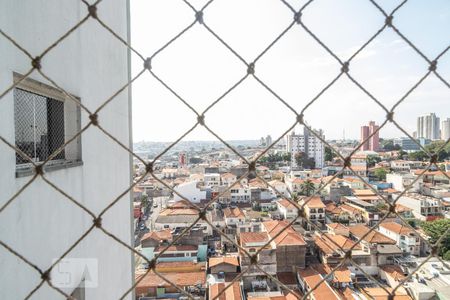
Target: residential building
(423, 207)
(310, 279)
(254, 278)
(405, 165)
(428, 127)
(307, 143)
(289, 245)
(373, 143)
(155, 238)
(180, 215)
(280, 188)
(286, 209)
(233, 292)
(186, 275)
(367, 210)
(405, 237)
(223, 264)
(445, 130)
(228, 179)
(211, 179)
(314, 212)
(358, 163)
(240, 193)
(191, 190)
(233, 216)
(409, 145)
(382, 249)
(41, 224)
(332, 247)
(402, 180)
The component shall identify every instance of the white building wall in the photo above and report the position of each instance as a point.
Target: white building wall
(190, 191)
(41, 224)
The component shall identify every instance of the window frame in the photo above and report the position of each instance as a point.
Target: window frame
(36, 87)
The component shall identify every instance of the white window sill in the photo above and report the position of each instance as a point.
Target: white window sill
(28, 170)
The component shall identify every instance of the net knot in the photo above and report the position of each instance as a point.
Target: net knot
(390, 116)
(433, 66)
(201, 120)
(94, 119)
(148, 63)
(433, 159)
(149, 167)
(297, 17)
(388, 21)
(251, 69)
(45, 275)
(97, 222)
(92, 9)
(345, 67)
(199, 17)
(348, 162)
(36, 63)
(39, 169)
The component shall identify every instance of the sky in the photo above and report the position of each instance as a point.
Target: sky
(200, 69)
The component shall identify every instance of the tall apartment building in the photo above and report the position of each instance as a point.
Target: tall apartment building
(41, 224)
(373, 144)
(428, 127)
(445, 130)
(307, 143)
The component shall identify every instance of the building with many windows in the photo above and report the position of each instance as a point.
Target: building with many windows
(370, 132)
(306, 143)
(428, 127)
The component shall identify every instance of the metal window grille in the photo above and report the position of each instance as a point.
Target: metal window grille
(29, 152)
(39, 126)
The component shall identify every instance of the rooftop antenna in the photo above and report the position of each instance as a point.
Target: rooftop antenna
(343, 135)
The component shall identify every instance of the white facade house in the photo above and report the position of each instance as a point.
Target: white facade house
(422, 206)
(240, 193)
(190, 191)
(405, 237)
(212, 179)
(400, 181)
(307, 143)
(41, 224)
(287, 209)
(279, 187)
(228, 179)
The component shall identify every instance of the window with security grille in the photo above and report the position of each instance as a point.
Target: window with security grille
(45, 127)
(39, 126)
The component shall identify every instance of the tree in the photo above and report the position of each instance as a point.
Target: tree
(303, 161)
(307, 188)
(372, 160)
(402, 154)
(435, 230)
(144, 201)
(380, 173)
(446, 255)
(329, 154)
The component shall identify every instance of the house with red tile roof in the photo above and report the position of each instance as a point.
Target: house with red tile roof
(289, 245)
(310, 279)
(232, 292)
(406, 238)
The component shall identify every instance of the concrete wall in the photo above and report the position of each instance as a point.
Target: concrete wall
(289, 256)
(41, 224)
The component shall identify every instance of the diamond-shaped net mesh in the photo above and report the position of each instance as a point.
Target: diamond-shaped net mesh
(29, 149)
